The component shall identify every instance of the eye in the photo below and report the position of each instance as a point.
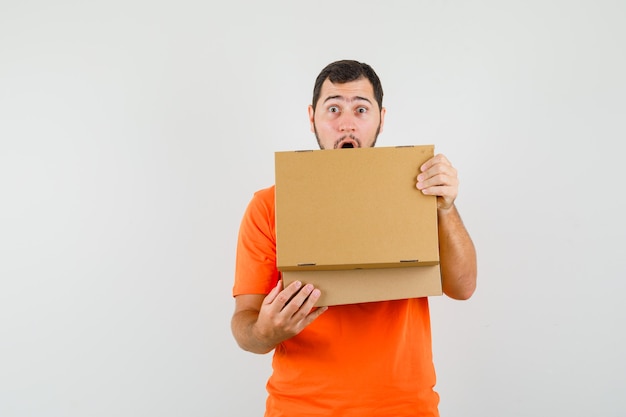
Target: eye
(361, 110)
(333, 109)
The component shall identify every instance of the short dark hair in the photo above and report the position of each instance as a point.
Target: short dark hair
(345, 71)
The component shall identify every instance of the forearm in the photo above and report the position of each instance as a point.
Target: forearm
(243, 328)
(457, 256)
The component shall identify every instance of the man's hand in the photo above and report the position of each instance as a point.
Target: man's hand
(286, 313)
(438, 177)
(259, 324)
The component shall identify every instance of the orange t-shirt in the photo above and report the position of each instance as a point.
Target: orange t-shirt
(361, 360)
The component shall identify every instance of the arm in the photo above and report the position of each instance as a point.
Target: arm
(456, 249)
(261, 322)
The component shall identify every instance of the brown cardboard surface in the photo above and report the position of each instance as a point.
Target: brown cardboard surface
(367, 285)
(354, 208)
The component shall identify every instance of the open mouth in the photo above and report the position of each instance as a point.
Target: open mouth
(348, 142)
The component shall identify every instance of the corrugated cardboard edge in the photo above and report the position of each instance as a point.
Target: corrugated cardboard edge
(369, 285)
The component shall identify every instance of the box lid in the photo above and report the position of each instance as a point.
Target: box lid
(354, 208)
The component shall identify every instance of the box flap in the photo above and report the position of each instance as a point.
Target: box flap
(354, 208)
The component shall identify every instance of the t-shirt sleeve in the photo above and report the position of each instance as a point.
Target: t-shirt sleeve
(255, 265)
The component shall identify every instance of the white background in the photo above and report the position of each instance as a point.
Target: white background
(133, 134)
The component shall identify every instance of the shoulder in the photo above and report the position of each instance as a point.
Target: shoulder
(263, 199)
(261, 207)
(266, 194)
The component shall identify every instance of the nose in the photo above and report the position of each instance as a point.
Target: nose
(346, 123)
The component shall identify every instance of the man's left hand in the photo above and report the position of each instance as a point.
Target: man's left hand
(438, 177)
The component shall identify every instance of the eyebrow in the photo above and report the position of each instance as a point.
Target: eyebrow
(355, 98)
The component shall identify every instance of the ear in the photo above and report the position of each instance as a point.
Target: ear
(312, 118)
(382, 119)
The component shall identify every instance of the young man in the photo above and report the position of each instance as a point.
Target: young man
(370, 359)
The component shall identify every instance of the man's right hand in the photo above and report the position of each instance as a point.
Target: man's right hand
(262, 322)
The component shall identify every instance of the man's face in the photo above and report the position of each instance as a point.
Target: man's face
(346, 115)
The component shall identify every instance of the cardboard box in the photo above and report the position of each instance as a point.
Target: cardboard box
(349, 286)
(357, 209)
